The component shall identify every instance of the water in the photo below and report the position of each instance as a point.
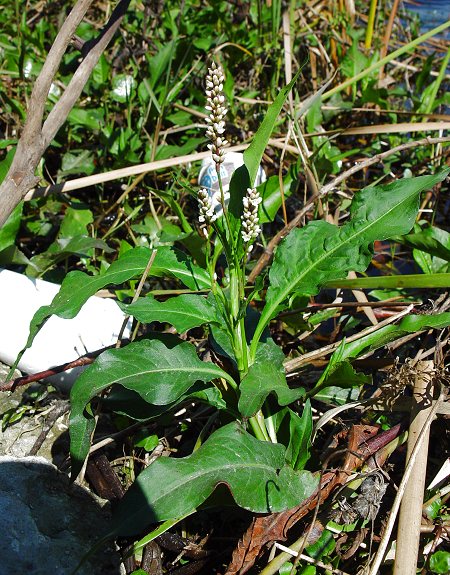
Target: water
(432, 13)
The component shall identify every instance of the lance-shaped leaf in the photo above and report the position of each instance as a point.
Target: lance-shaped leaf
(298, 451)
(320, 252)
(158, 372)
(183, 312)
(78, 287)
(255, 472)
(266, 375)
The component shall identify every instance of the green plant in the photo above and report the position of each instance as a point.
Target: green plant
(263, 466)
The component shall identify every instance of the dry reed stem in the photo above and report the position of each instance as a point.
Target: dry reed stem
(387, 35)
(381, 552)
(410, 517)
(86, 181)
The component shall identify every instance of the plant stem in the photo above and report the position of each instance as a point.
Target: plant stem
(224, 207)
(258, 426)
(238, 334)
(371, 23)
(437, 84)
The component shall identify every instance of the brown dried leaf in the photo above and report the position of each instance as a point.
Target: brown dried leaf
(363, 442)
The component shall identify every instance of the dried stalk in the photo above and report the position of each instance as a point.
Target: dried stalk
(378, 559)
(37, 133)
(410, 518)
(292, 365)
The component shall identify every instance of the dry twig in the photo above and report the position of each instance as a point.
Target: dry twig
(37, 133)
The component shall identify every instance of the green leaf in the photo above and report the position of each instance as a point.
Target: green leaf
(321, 252)
(82, 162)
(337, 395)
(254, 153)
(340, 383)
(431, 240)
(340, 373)
(430, 264)
(300, 428)
(440, 562)
(183, 312)
(271, 197)
(323, 546)
(5, 164)
(78, 287)
(266, 375)
(75, 222)
(160, 62)
(253, 470)
(126, 402)
(161, 372)
(147, 442)
(92, 119)
(61, 249)
(10, 228)
(287, 569)
(433, 509)
(100, 74)
(123, 86)
(388, 333)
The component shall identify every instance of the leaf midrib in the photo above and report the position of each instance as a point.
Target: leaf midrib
(94, 390)
(172, 311)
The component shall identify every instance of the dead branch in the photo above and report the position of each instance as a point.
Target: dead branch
(37, 133)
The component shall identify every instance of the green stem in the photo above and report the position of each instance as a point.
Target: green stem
(258, 426)
(255, 340)
(371, 23)
(224, 207)
(235, 303)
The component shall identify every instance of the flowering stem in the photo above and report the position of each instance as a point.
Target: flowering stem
(249, 231)
(224, 207)
(235, 304)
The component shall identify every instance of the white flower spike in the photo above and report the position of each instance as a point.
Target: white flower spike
(217, 112)
(250, 221)
(207, 214)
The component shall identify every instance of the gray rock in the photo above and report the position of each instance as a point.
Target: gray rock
(19, 437)
(47, 524)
